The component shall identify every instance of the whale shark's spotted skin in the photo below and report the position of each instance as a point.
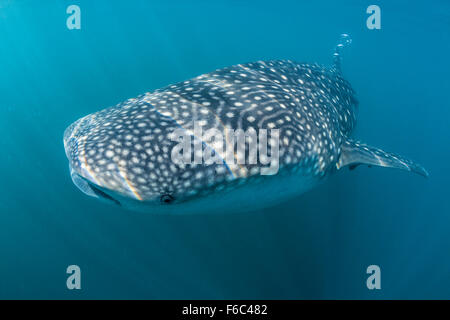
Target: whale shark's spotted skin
(123, 153)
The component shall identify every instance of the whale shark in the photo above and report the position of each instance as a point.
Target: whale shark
(300, 117)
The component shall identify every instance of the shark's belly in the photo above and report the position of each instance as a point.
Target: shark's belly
(244, 197)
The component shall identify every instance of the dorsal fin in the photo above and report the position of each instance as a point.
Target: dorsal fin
(354, 153)
(344, 41)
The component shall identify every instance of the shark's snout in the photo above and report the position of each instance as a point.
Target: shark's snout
(92, 168)
(71, 147)
(72, 154)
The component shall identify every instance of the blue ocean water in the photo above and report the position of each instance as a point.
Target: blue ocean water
(317, 246)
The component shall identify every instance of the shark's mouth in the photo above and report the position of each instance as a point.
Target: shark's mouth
(90, 189)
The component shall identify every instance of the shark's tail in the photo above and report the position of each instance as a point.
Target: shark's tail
(344, 41)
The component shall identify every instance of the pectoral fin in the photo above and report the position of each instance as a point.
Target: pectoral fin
(354, 153)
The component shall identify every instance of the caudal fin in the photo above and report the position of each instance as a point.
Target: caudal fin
(354, 153)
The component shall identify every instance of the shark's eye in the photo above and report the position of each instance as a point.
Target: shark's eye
(166, 199)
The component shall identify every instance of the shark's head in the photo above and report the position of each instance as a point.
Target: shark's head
(124, 155)
(84, 169)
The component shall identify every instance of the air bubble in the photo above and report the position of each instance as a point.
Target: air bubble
(344, 41)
